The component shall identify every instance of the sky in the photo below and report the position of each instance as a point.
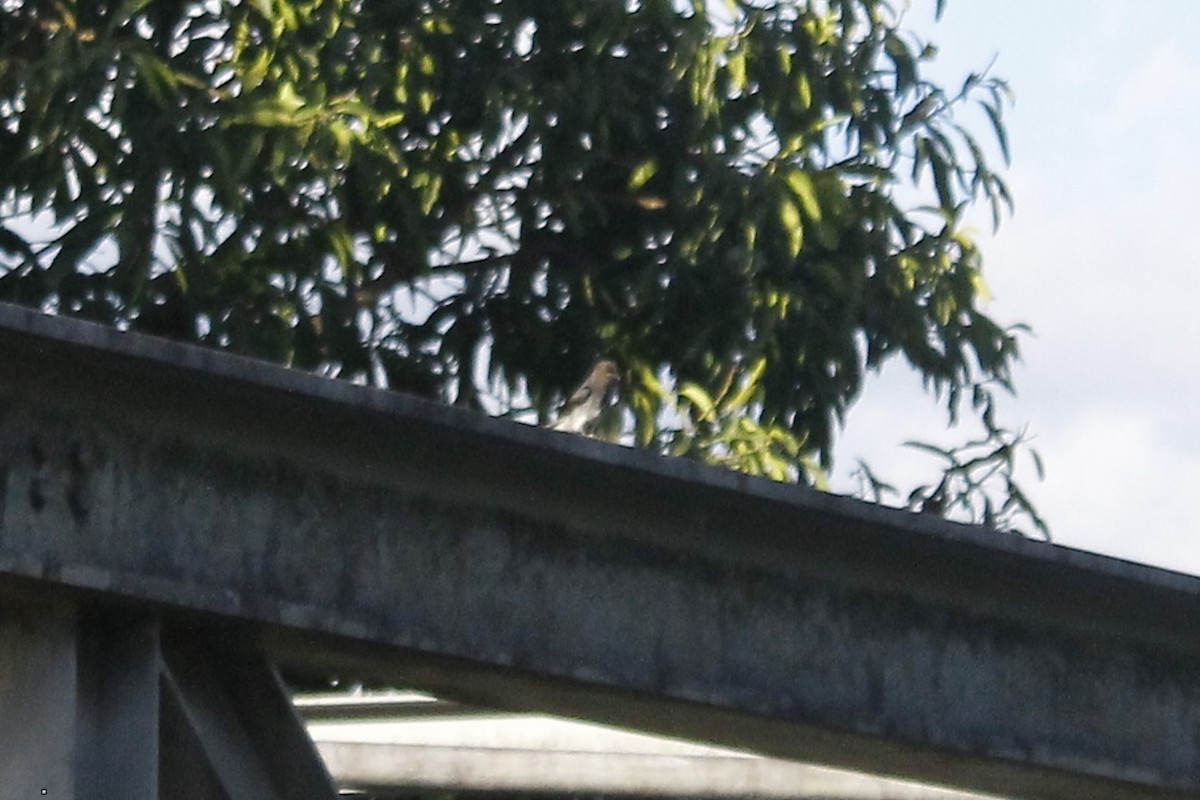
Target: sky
(1100, 258)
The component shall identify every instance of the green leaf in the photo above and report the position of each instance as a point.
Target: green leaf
(1038, 465)
(700, 399)
(281, 110)
(941, 180)
(737, 69)
(804, 91)
(647, 379)
(681, 445)
(993, 115)
(801, 184)
(749, 385)
(793, 226)
(941, 452)
(430, 190)
(642, 173)
(156, 76)
(644, 417)
(906, 70)
(255, 71)
(783, 60)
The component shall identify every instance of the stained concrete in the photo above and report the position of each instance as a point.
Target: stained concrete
(361, 529)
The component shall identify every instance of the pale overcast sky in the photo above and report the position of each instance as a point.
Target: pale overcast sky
(1100, 258)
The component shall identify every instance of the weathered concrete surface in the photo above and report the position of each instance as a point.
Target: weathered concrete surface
(94, 707)
(525, 568)
(37, 703)
(78, 702)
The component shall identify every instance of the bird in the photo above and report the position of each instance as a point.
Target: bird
(582, 410)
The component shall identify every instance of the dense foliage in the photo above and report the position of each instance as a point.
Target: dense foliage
(748, 205)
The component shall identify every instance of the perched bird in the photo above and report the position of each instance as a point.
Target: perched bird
(582, 410)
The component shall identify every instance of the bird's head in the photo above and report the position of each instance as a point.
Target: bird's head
(605, 373)
(605, 379)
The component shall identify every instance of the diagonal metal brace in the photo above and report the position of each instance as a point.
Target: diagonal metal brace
(238, 714)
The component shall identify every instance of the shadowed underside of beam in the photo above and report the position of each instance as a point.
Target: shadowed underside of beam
(360, 529)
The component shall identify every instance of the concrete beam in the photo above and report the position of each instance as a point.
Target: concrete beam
(387, 769)
(78, 703)
(390, 744)
(93, 708)
(117, 752)
(38, 701)
(520, 568)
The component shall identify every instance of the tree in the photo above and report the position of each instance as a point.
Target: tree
(749, 206)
